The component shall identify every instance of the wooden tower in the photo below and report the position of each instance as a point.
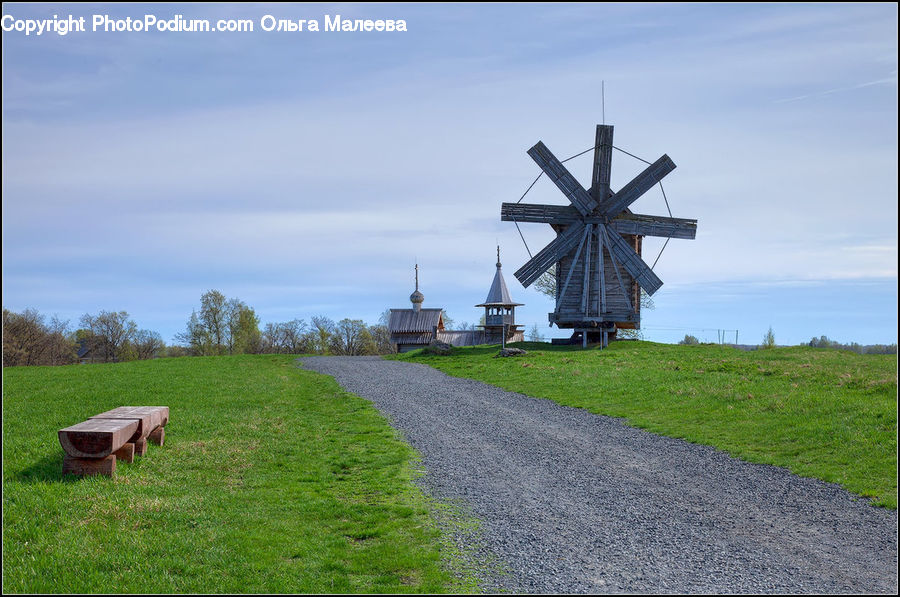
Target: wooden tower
(597, 251)
(500, 312)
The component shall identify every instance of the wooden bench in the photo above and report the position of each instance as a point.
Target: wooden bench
(152, 419)
(92, 446)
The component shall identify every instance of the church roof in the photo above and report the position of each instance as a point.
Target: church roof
(499, 293)
(409, 320)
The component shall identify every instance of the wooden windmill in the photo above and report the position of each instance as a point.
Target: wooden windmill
(597, 250)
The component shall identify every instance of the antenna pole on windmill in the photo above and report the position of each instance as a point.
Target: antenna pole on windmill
(603, 100)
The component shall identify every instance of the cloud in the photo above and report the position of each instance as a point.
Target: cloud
(176, 161)
(892, 80)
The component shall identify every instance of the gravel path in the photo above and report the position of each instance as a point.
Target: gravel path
(574, 502)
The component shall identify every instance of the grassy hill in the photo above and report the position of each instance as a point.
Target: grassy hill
(271, 479)
(821, 413)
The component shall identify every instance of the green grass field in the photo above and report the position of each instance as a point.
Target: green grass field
(826, 414)
(271, 479)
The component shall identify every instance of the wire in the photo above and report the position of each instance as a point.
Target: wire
(577, 154)
(529, 186)
(666, 199)
(523, 239)
(631, 154)
(534, 182)
(660, 253)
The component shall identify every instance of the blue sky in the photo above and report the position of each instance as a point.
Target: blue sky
(306, 173)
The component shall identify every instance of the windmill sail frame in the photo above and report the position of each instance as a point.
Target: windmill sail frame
(596, 256)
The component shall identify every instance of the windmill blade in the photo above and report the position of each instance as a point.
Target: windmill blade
(548, 214)
(631, 261)
(645, 225)
(603, 148)
(642, 183)
(561, 177)
(562, 294)
(550, 254)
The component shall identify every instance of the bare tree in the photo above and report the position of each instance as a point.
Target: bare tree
(148, 344)
(23, 336)
(546, 284)
(534, 334)
(323, 328)
(271, 338)
(108, 333)
(195, 337)
(352, 337)
(27, 340)
(60, 347)
(381, 338)
(291, 337)
(448, 321)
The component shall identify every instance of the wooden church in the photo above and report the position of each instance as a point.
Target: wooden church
(417, 327)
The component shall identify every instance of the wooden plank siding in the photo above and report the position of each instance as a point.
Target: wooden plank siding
(645, 225)
(618, 304)
(538, 213)
(603, 148)
(625, 223)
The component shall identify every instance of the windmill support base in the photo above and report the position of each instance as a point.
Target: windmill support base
(596, 332)
(590, 335)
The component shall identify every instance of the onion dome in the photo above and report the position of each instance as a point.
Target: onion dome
(417, 298)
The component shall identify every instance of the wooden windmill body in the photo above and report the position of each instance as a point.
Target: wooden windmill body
(596, 255)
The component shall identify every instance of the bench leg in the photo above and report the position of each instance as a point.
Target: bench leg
(125, 453)
(90, 466)
(158, 435)
(140, 447)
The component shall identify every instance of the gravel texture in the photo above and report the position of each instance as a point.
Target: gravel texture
(574, 502)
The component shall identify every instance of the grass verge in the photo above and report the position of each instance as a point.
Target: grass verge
(826, 414)
(272, 480)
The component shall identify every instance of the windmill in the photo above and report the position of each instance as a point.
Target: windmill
(597, 251)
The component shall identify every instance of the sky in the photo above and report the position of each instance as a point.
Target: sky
(306, 173)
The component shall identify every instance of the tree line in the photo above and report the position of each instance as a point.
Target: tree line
(824, 342)
(229, 326)
(221, 326)
(110, 336)
(820, 342)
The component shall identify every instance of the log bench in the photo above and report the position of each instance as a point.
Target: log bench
(152, 419)
(93, 446)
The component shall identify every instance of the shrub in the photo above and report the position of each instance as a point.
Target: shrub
(768, 339)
